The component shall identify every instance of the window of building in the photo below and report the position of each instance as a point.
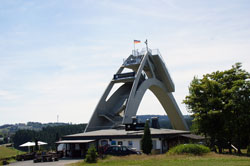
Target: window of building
(130, 144)
(77, 147)
(113, 142)
(120, 143)
(154, 144)
(104, 142)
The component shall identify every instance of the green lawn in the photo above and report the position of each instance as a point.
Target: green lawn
(8, 152)
(210, 159)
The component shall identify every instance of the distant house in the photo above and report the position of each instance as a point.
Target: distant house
(163, 139)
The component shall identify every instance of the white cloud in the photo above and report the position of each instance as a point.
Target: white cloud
(7, 95)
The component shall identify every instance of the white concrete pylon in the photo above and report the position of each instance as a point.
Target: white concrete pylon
(149, 72)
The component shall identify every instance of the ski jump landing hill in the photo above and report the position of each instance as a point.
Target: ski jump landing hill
(148, 71)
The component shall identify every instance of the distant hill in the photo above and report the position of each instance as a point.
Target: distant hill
(6, 152)
(12, 128)
(8, 130)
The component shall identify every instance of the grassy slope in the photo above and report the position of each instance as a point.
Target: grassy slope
(210, 159)
(8, 152)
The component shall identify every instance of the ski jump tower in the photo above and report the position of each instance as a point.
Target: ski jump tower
(148, 71)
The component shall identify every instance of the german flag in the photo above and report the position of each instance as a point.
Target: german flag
(137, 41)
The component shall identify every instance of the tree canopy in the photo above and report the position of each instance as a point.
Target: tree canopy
(220, 104)
(49, 134)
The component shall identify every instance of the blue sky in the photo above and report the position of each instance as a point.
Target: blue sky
(57, 57)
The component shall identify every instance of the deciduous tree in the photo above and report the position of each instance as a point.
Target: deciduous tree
(220, 105)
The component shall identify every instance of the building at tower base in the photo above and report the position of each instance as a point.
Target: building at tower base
(113, 121)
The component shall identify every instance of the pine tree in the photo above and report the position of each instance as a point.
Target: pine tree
(91, 156)
(146, 142)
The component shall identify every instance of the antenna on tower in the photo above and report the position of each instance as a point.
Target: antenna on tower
(146, 42)
(57, 117)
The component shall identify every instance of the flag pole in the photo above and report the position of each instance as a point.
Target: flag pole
(146, 42)
(134, 46)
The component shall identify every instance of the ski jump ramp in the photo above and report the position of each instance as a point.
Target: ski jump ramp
(148, 71)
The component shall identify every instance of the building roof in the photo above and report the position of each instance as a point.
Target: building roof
(74, 141)
(124, 133)
(193, 136)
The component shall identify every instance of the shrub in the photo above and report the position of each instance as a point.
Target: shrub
(195, 149)
(248, 149)
(91, 156)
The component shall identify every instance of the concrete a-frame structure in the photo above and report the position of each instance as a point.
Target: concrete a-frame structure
(149, 72)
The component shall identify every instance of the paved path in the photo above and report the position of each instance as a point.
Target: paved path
(55, 163)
